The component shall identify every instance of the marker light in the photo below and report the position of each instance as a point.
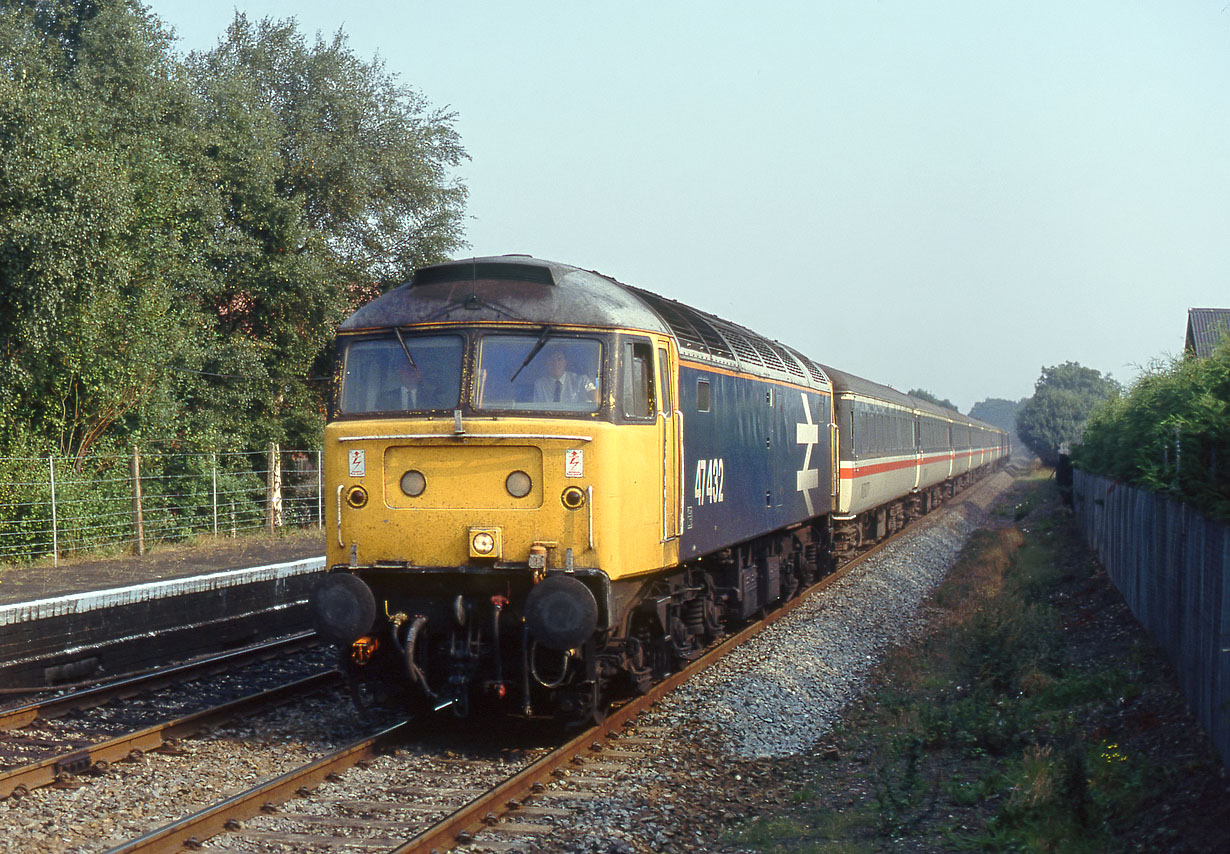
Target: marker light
(413, 483)
(573, 498)
(518, 484)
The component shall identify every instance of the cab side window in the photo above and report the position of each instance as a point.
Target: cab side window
(664, 382)
(637, 380)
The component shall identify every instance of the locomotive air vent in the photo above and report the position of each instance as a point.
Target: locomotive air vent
(812, 368)
(468, 271)
(787, 359)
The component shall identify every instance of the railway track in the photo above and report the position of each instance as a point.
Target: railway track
(297, 808)
(75, 735)
(100, 693)
(278, 782)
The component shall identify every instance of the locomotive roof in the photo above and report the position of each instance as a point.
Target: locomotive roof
(514, 288)
(519, 288)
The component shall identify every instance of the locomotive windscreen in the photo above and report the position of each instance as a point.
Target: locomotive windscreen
(521, 372)
(382, 376)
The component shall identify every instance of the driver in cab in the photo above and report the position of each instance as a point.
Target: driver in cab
(561, 385)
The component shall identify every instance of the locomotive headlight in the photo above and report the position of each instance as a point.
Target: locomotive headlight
(485, 542)
(518, 484)
(356, 497)
(413, 483)
(573, 498)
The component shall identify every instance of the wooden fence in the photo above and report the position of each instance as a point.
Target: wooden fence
(1171, 565)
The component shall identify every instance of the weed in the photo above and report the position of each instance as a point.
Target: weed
(827, 834)
(803, 796)
(897, 781)
(988, 718)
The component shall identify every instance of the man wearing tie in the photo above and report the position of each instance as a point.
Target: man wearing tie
(561, 385)
(408, 380)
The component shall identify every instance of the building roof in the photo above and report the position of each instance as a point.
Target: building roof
(1205, 329)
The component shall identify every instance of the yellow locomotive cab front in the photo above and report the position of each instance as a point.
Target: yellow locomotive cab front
(468, 467)
(570, 494)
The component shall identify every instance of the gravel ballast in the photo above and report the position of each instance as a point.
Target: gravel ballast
(774, 696)
(817, 658)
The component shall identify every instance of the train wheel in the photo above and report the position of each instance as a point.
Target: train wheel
(583, 706)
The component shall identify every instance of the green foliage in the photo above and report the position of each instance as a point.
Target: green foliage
(923, 394)
(1064, 396)
(179, 238)
(1170, 432)
(998, 412)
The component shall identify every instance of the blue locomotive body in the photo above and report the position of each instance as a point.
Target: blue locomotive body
(758, 455)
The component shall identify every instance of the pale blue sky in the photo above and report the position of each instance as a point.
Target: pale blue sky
(946, 195)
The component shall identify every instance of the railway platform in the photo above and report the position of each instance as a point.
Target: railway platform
(94, 619)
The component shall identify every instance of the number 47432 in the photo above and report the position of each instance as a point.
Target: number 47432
(710, 477)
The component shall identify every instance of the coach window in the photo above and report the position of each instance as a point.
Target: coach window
(637, 380)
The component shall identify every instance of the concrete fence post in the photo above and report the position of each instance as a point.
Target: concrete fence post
(213, 472)
(55, 528)
(138, 522)
(274, 488)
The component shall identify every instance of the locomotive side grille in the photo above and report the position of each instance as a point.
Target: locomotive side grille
(689, 338)
(717, 345)
(771, 359)
(812, 368)
(788, 359)
(747, 353)
(705, 333)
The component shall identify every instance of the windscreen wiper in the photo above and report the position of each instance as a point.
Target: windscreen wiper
(534, 351)
(405, 349)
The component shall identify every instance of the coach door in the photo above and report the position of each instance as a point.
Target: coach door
(671, 421)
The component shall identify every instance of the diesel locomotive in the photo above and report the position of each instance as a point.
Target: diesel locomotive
(548, 487)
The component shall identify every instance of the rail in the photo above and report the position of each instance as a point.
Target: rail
(20, 781)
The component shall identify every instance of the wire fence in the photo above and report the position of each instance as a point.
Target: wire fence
(51, 506)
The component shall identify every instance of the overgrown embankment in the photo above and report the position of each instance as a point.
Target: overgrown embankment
(1034, 715)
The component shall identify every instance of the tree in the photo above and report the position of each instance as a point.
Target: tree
(997, 411)
(331, 177)
(1170, 432)
(179, 239)
(931, 398)
(92, 210)
(1064, 396)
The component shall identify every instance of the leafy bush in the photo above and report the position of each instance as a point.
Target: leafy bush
(1170, 432)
